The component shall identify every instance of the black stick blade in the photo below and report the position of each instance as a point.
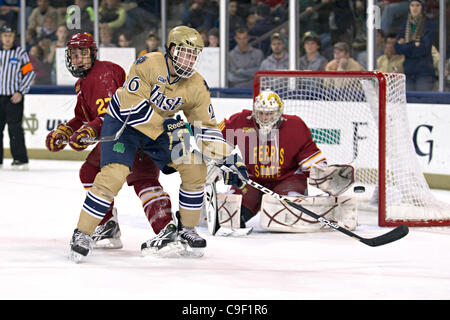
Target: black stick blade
(388, 237)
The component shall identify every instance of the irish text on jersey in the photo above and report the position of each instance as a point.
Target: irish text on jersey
(160, 100)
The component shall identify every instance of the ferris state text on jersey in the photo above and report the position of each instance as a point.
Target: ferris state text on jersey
(149, 96)
(291, 150)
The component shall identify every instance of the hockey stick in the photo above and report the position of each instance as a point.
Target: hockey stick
(393, 235)
(113, 137)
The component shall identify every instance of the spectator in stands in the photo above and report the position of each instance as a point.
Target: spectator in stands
(9, 13)
(263, 24)
(235, 20)
(41, 68)
(37, 16)
(342, 60)
(86, 16)
(113, 14)
(277, 9)
(30, 38)
(124, 40)
(213, 38)
(393, 12)
(279, 59)
(48, 28)
(379, 51)
(106, 35)
(153, 44)
(312, 60)
(390, 61)
(204, 33)
(62, 34)
(342, 21)
(314, 16)
(414, 41)
(200, 14)
(244, 61)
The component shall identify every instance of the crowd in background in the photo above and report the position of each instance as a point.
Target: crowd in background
(333, 34)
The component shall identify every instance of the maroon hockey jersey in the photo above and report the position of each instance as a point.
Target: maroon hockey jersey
(94, 93)
(287, 151)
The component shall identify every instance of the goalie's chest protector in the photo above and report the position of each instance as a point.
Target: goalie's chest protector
(275, 158)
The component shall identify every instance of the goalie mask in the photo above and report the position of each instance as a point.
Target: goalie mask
(267, 111)
(81, 53)
(188, 47)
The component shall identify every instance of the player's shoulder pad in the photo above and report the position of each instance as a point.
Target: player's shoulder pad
(149, 58)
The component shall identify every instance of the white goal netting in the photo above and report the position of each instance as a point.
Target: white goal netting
(343, 111)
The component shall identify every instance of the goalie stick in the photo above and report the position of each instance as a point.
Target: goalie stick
(393, 235)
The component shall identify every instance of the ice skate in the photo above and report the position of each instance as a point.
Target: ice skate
(165, 244)
(107, 236)
(19, 165)
(194, 245)
(80, 246)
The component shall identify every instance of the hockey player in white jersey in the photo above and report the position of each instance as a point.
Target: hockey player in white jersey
(158, 86)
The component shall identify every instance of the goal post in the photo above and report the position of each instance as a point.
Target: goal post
(360, 118)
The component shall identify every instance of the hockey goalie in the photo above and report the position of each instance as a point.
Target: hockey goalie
(280, 154)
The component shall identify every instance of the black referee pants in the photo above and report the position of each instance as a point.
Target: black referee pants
(11, 114)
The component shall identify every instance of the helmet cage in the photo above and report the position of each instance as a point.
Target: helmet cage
(185, 60)
(80, 41)
(267, 101)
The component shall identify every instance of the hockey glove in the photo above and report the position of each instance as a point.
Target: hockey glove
(235, 162)
(57, 139)
(86, 131)
(179, 138)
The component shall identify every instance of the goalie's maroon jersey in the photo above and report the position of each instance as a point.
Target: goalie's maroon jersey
(94, 93)
(292, 153)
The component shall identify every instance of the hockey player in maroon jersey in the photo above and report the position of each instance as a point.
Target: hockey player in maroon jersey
(98, 81)
(279, 152)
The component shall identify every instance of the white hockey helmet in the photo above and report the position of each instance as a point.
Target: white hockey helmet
(267, 110)
(188, 46)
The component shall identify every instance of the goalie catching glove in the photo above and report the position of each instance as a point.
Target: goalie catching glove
(334, 179)
(179, 138)
(235, 163)
(57, 139)
(78, 140)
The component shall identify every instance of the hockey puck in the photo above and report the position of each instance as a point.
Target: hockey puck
(359, 189)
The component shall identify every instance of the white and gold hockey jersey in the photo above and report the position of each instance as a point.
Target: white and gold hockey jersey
(150, 95)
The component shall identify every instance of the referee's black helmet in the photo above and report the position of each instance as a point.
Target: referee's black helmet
(7, 29)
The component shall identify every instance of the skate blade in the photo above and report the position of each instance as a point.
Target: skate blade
(172, 250)
(111, 243)
(75, 257)
(189, 252)
(23, 167)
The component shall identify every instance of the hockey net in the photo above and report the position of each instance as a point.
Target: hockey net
(360, 118)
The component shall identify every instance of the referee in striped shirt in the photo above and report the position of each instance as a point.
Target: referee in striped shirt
(16, 76)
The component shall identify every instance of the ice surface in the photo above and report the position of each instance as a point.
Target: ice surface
(40, 209)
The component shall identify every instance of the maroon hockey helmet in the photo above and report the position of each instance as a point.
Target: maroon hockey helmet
(80, 41)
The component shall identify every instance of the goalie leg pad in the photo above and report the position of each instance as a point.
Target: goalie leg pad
(276, 216)
(229, 210)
